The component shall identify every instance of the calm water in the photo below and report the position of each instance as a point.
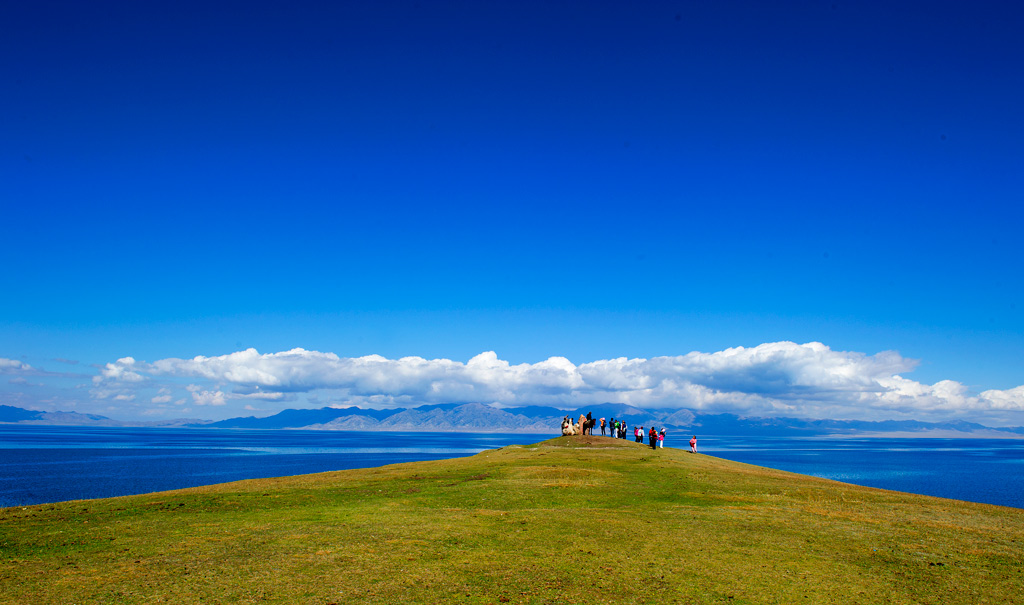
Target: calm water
(51, 464)
(977, 470)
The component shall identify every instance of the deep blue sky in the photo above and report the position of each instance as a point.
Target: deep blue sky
(585, 179)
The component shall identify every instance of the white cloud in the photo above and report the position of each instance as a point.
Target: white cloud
(163, 396)
(1011, 399)
(268, 396)
(106, 392)
(214, 398)
(122, 370)
(780, 378)
(13, 366)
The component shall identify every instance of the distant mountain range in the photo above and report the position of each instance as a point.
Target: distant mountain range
(13, 415)
(479, 418)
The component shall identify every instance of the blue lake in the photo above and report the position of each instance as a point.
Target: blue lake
(41, 464)
(977, 470)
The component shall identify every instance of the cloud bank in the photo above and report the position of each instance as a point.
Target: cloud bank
(773, 379)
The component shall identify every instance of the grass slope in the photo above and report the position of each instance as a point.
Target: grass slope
(570, 520)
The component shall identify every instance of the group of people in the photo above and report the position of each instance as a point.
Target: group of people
(618, 429)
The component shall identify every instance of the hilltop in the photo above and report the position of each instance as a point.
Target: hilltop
(573, 520)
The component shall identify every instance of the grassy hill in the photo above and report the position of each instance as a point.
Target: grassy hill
(570, 520)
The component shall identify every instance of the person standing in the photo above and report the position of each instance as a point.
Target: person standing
(602, 426)
(693, 444)
(661, 438)
(652, 438)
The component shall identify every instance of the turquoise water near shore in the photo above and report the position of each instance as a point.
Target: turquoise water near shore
(40, 464)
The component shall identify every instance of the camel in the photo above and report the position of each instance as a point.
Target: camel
(583, 427)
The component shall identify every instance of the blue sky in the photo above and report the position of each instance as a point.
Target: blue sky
(587, 180)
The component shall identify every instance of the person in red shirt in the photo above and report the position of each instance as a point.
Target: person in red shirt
(693, 444)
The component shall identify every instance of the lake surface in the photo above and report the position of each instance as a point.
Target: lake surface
(41, 464)
(977, 470)
(53, 463)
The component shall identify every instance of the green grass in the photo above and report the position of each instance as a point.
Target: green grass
(570, 520)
